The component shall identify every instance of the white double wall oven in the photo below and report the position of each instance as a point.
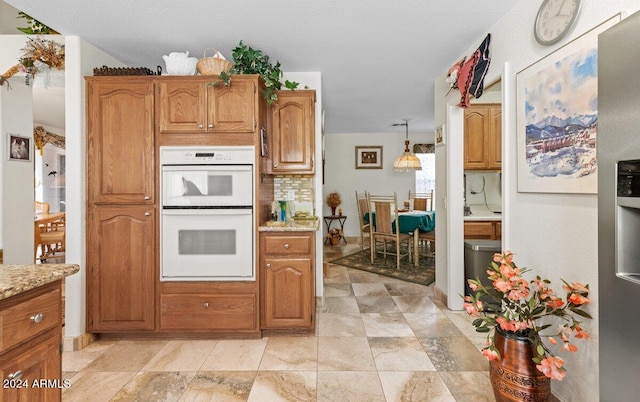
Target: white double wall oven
(207, 220)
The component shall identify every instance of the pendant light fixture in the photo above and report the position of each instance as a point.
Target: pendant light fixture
(406, 162)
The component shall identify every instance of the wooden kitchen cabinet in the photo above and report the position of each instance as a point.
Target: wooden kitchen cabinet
(194, 105)
(120, 147)
(287, 280)
(483, 137)
(30, 348)
(488, 230)
(121, 268)
(292, 122)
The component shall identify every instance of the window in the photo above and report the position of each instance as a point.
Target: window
(426, 178)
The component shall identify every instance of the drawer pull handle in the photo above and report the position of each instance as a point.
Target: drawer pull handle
(16, 376)
(286, 246)
(210, 125)
(206, 305)
(147, 198)
(268, 265)
(37, 318)
(147, 214)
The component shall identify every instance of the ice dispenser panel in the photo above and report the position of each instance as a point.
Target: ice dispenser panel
(628, 221)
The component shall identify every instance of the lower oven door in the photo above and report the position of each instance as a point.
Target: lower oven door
(207, 245)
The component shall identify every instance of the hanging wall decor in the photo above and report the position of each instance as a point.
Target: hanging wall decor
(472, 73)
(19, 148)
(38, 56)
(557, 118)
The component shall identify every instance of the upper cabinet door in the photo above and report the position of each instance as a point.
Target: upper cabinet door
(231, 109)
(495, 137)
(182, 106)
(120, 147)
(476, 123)
(293, 132)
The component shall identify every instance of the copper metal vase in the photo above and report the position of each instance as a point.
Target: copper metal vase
(514, 376)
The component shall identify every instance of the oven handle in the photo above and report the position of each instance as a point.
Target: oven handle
(206, 168)
(208, 211)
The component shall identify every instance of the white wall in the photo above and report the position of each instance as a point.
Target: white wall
(342, 176)
(17, 176)
(553, 234)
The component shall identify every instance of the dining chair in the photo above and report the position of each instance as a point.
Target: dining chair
(50, 236)
(365, 227)
(424, 202)
(386, 227)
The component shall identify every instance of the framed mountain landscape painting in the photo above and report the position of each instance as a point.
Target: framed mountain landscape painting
(557, 118)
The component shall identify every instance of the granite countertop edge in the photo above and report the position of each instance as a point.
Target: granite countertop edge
(16, 279)
(296, 228)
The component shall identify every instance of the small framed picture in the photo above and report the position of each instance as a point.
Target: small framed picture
(440, 133)
(19, 148)
(369, 157)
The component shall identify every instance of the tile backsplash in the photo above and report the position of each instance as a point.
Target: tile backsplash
(302, 185)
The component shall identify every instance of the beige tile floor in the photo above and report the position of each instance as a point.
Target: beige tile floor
(377, 339)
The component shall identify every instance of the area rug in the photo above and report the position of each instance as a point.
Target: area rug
(424, 273)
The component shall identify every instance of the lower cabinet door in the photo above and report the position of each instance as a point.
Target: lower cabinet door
(34, 375)
(287, 293)
(121, 269)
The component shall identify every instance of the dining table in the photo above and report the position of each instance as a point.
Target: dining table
(412, 222)
(44, 219)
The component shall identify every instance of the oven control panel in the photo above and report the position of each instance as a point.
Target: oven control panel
(206, 155)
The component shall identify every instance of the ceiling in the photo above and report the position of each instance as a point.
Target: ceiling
(378, 59)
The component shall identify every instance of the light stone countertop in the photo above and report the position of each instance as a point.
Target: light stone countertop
(16, 279)
(480, 212)
(314, 226)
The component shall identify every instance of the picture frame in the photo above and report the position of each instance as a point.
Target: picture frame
(440, 133)
(557, 118)
(369, 157)
(19, 148)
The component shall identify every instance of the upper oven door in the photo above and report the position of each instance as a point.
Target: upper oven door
(186, 186)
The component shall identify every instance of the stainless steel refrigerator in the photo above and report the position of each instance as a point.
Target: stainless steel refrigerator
(618, 151)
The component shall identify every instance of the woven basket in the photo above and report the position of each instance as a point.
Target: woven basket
(212, 65)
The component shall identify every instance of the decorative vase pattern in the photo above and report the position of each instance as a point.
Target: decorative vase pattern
(514, 376)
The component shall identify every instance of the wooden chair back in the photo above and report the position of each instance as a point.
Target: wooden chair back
(386, 209)
(363, 207)
(41, 207)
(422, 201)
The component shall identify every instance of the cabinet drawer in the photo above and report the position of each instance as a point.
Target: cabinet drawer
(208, 312)
(478, 230)
(274, 244)
(29, 318)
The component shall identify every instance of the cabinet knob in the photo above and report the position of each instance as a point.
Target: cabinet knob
(147, 198)
(147, 214)
(275, 165)
(37, 318)
(206, 305)
(286, 246)
(268, 265)
(210, 126)
(16, 376)
(200, 126)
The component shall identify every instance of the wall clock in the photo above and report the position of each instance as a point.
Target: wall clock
(555, 19)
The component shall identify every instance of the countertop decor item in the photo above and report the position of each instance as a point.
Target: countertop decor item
(514, 308)
(333, 200)
(179, 63)
(213, 65)
(247, 60)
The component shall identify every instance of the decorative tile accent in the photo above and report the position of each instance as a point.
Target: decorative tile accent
(302, 184)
